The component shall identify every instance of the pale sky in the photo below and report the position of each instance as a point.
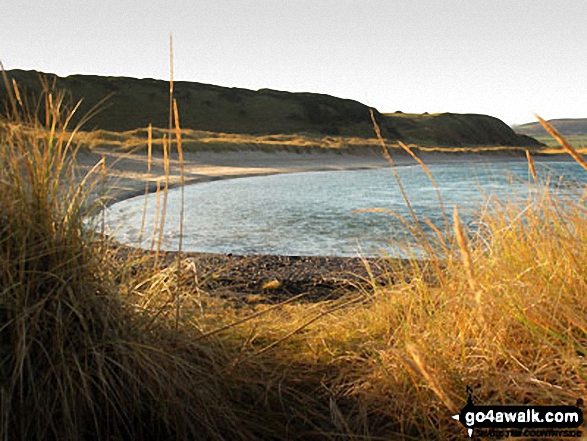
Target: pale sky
(505, 58)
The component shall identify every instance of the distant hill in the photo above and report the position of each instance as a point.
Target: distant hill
(566, 126)
(135, 103)
(458, 130)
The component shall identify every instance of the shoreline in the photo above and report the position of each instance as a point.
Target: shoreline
(266, 278)
(127, 174)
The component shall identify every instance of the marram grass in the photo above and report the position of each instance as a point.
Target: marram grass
(509, 318)
(78, 360)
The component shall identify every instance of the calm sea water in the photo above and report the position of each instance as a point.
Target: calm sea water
(316, 213)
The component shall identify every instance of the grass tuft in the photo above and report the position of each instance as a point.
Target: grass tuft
(79, 357)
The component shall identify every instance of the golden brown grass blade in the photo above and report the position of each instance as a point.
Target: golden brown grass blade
(182, 203)
(563, 142)
(250, 317)
(170, 85)
(531, 166)
(103, 190)
(421, 235)
(149, 161)
(167, 141)
(464, 248)
(156, 221)
(181, 171)
(17, 93)
(11, 99)
(149, 148)
(430, 379)
(306, 324)
(434, 183)
(76, 197)
(439, 235)
(165, 195)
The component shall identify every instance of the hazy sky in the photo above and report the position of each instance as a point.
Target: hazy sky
(506, 58)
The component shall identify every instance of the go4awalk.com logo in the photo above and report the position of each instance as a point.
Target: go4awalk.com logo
(522, 421)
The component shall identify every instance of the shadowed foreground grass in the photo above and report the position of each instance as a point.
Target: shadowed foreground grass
(81, 356)
(95, 347)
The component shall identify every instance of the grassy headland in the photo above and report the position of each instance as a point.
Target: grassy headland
(133, 103)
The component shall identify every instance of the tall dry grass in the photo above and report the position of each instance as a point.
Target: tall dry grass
(93, 346)
(508, 317)
(81, 356)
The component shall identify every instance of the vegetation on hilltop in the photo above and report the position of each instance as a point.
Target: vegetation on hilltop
(134, 103)
(453, 129)
(574, 130)
(566, 127)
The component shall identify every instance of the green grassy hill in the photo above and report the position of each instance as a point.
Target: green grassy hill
(574, 130)
(566, 126)
(452, 129)
(134, 103)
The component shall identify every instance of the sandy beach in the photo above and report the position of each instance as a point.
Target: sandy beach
(127, 173)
